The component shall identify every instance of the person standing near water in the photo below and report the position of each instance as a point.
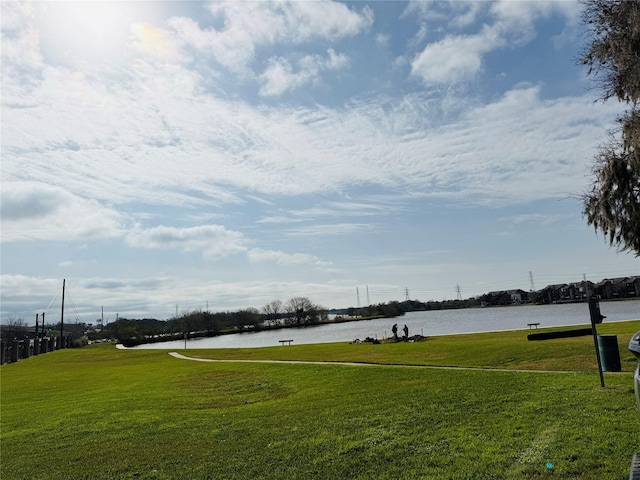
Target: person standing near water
(394, 329)
(406, 332)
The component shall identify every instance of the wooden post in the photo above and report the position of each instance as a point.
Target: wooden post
(15, 351)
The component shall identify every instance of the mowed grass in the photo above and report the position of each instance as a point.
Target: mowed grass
(102, 413)
(509, 349)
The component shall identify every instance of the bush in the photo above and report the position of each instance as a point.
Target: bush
(79, 342)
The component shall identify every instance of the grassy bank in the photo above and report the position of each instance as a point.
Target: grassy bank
(508, 349)
(101, 413)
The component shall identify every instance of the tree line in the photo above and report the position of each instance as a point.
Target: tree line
(295, 312)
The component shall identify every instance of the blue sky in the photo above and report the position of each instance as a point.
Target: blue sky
(223, 155)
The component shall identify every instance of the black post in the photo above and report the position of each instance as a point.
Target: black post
(62, 316)
(596, 317)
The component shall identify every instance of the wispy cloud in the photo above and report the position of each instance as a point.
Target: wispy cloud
(328, 229)
(277, 256)
(280, 75)
(282, 141)
(250, 26)
(537, 218)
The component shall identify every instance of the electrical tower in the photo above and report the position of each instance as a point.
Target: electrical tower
(368, 301)
(458, 293)
(406, 293)
(358, 296)
(533, 287)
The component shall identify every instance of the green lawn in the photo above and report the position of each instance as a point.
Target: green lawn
(495, 350)
(102, 413)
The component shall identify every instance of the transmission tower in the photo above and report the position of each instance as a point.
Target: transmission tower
(458, 293)
(406, 293)
(368, 301)
(533, 287)
(358, 296)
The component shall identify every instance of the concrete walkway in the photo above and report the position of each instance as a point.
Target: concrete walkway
(356, 364)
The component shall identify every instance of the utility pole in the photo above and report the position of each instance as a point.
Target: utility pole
(36, 326)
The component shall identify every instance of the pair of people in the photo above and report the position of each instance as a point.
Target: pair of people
(394, 329)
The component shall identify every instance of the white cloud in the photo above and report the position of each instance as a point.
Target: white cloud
(20, 42)
(155, 297)
(158, 138)
(280, 77)
(538, 218)
(251, 25)
(277, 256)
(212, 241)
(459, 58)
(453, 59)
(383, 40)
(35, 211)
(328, 229)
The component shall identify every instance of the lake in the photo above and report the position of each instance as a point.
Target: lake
(434, 322)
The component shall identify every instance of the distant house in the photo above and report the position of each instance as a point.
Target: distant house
(506, 297)
(562, 293)
(621, 287)
(518, 296)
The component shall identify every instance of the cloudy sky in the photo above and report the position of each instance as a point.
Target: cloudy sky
(170, 156)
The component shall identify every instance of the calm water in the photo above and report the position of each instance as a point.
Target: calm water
(441, 322)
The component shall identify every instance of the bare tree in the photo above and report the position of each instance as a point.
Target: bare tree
(16, 328)
(272, 311)
(612, 204)
(302, 311)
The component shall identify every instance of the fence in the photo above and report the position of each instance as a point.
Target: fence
(13, 350)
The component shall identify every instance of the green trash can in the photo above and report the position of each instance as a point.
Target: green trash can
(609, 353)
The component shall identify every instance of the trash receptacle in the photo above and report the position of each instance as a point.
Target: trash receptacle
(634, 347)
(609, 353)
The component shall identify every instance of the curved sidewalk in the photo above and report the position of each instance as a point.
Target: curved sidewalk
(357, 364)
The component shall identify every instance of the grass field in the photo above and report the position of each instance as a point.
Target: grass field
(103, 413)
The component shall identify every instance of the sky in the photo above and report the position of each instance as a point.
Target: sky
(164, 157)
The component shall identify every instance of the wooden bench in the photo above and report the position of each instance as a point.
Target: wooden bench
(288, 342)
(533, 325)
